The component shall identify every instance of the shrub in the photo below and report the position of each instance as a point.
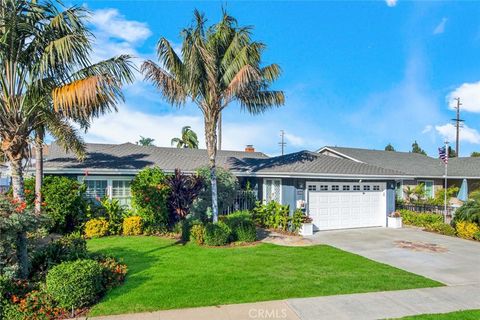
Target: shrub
(133, 226)
(37, 304)
(217, 234)
(76, 284)
(439, 198)
(114, 273)
(466, 229)
(150, 193)
(469, 211)
(242, 225)
(476, 236)
(184, 189)
(420, 219)
(442, 228)
(64, 202)
(227, 185)
(197, 234)
(114, 213)
(15, 219)
(272, 215)
(67, 248)
(96, 228)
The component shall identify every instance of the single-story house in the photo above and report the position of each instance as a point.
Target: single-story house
(335, 192)
(422, 169)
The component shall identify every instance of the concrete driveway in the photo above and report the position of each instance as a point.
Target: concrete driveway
(449, 260)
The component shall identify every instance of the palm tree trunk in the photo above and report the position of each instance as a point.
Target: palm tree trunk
(220, 131)
(211, 140)
(38, 171)
(18, 193)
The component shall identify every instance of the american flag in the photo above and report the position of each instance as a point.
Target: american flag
(442, 152)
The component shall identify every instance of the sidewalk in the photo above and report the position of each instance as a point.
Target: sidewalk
(374, 305)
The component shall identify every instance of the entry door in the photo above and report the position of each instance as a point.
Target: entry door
(347, 205)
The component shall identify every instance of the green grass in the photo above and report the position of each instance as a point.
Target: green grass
(166, 275)
(458, 315)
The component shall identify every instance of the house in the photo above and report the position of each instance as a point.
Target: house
(422, 169)
(336, 192)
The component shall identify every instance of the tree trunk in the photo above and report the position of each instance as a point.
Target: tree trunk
(220, 131)
(211, 140)
(18, 193)
(38, 172)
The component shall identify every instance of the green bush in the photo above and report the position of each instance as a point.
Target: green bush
(242, 225)
(64, 202)
(470, 212)
(272, 215)
(115, 214)
(67, 248)
(150, 193)
(442, 228)
(197, 234)
(75, 284)
(227, 186)
(476, 236)
(217, 234)
(420, 219)
(439, 198)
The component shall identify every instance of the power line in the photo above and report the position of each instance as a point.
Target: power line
(282, 143)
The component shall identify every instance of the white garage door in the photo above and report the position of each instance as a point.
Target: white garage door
(346, 205)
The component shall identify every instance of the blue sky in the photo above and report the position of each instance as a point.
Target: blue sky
(359, 74)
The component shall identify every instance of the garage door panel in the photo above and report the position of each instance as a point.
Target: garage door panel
(347, 209)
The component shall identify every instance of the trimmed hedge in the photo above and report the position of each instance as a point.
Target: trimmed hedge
(197, 233)
(133, 226)
(467, 230)
(76, 284)
(442, 228)
(217, 234)
(420, 219)
(96, 228)
(242, 226)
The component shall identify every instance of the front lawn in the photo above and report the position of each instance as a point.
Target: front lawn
(458, 315)
(166, 275)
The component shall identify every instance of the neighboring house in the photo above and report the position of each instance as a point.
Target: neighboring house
(337, 193)
(422, 169)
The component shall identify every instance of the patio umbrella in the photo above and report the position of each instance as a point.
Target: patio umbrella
(463, 192)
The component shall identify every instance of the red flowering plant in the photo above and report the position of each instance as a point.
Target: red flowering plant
(38, 305)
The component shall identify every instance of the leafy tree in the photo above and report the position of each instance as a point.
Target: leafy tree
(475, 154)
(227, 190)
(188, 140)
(451, 152)
(389, 147)
(184, 189)
(218, 65)
(47, 81)
(416, 148)
(146, 142)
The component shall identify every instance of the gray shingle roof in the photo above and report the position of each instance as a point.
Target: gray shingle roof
(306, 162)
(129, 156)
(414, 164)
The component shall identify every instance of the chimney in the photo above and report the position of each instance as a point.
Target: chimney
(249, 148)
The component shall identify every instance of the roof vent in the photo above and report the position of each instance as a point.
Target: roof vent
(249, 148)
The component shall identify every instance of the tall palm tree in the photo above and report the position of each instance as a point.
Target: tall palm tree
(218, 65)
(189, 139)
(47, 81)
(145, 141)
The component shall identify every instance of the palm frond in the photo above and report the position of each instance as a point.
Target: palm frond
(171, 89)
(261, 101)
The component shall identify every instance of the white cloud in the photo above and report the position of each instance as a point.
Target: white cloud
(112, 24)
(428, 128)
(391, 3)
(294, 140)
(467, 134)
(469, 94)
(440, 28)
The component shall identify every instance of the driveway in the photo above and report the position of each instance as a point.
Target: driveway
(449, 260)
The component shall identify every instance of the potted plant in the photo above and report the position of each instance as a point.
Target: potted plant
(307, 226)
(394, 220)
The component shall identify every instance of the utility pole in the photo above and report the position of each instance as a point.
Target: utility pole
(458, 124)
(282, 143)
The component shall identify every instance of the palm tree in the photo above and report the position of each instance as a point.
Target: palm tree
(189, 139)
(146, 142)
(47, 81)
(218, 65)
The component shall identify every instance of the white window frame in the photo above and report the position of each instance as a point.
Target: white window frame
(425, 187)
(264, 188)
(109, 179)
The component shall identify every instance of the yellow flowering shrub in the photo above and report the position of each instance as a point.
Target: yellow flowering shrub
(466, 229)
(132, 226)
(96, 228)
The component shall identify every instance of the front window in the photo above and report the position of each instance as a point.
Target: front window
(121, 192)
(428, 187)
(272, 190)
(107, 187)
(96, 189)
